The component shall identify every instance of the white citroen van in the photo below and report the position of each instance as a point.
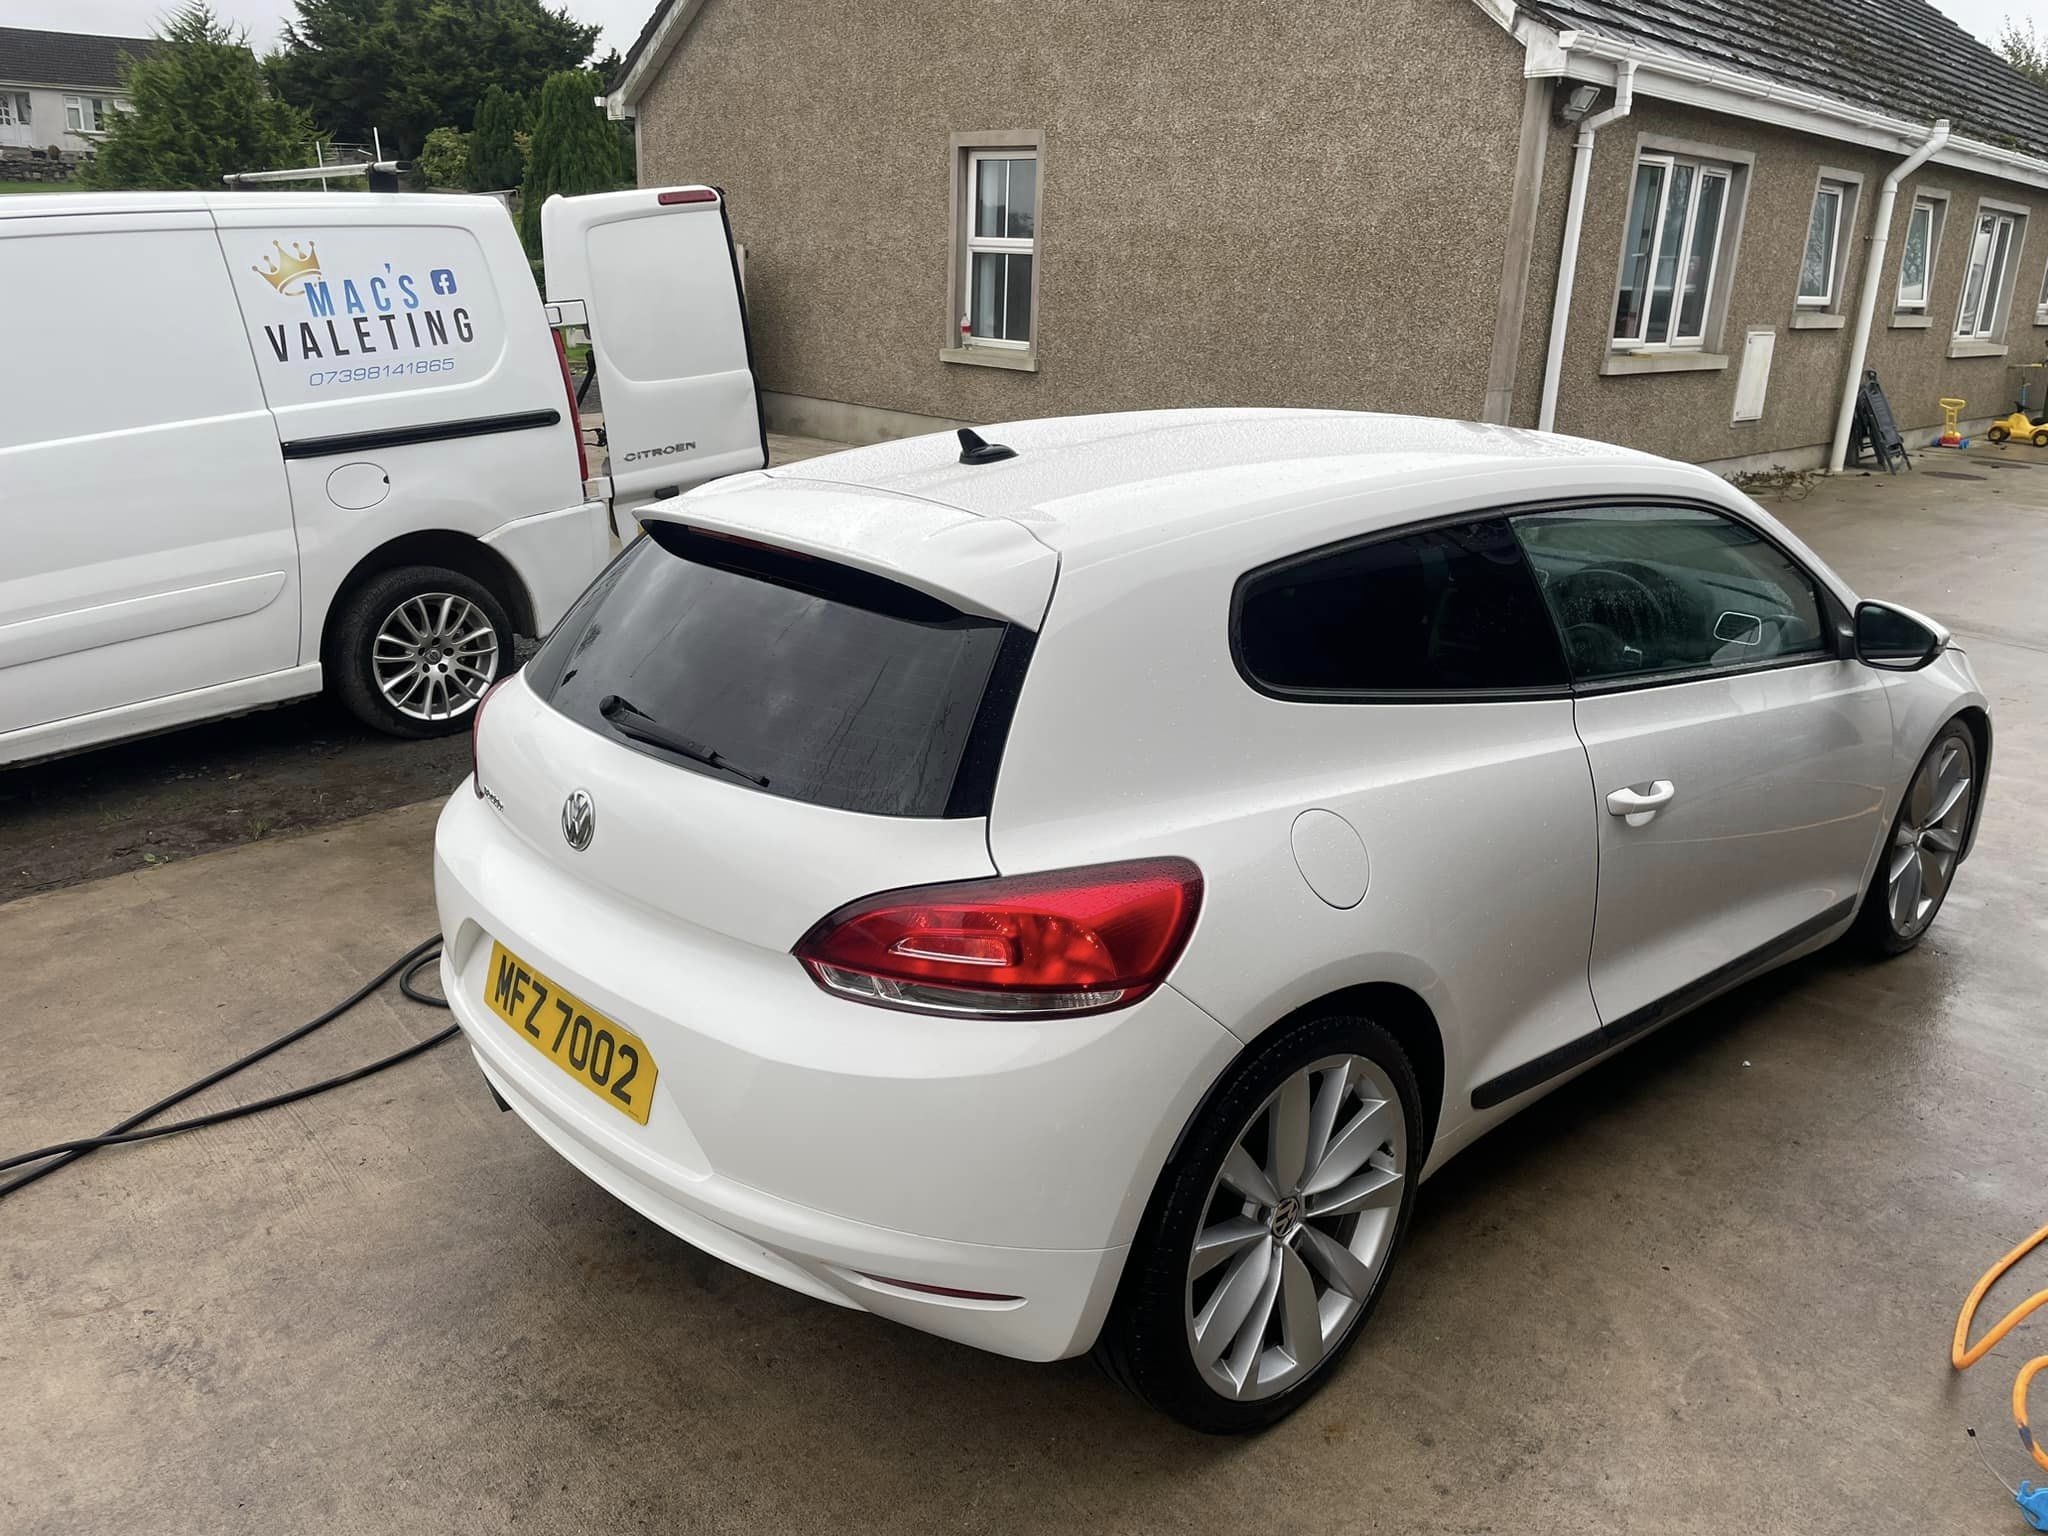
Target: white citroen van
(257, 444)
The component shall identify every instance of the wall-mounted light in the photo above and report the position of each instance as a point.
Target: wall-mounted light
(1577, 102)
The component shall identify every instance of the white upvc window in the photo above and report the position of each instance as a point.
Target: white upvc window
(1671, 252)
(1001, 248)
(13, 109)
(1985, 282)
(1916, 258)
(1818, 267)
(2041, 304)
(85, 114)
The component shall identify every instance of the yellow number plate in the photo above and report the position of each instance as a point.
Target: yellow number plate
(611, 1062)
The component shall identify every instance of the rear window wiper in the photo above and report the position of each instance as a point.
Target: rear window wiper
(628, 720)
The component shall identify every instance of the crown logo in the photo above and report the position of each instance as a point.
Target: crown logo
(289, 267)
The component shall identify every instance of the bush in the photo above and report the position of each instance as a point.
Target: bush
(444, 158)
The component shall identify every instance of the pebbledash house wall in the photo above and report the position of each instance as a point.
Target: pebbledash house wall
(1289, 202)
(1304, 204)
(1688, 415)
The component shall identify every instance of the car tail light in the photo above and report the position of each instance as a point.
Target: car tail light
(476, 725)
(687, 195)
(575, 420)
(1068, 941)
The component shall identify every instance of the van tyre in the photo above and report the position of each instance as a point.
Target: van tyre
(1271, 1234)
(413, 649)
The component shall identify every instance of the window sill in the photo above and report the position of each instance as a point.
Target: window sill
(1816, 320)
(991, 357)
(1909, 321)
(1619, 363)
(1969, 346)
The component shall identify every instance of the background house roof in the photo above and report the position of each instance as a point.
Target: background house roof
(1901, 57)
(66, 58)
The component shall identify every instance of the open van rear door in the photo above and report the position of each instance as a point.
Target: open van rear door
(652, 274)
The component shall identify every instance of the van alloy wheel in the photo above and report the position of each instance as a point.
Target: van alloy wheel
(434, 656)
(1299, 1224)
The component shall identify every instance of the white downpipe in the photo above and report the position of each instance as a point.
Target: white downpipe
(1873, 278)
(1574, 216)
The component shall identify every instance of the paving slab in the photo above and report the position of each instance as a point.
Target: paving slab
(1706, 1288)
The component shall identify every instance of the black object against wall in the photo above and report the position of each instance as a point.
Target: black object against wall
(1875, 429)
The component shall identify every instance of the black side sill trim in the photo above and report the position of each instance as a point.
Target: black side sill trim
(431, 432)
(1518, 1080)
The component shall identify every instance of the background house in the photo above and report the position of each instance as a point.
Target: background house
(973, 213)
(58, 88)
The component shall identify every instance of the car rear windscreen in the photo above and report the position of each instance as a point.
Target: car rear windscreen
(794, 676)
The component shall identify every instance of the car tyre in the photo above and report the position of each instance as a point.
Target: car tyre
(414, 648)
(1923, 848)
(1300, 1263)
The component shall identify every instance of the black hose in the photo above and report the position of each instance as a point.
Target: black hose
(405, 968)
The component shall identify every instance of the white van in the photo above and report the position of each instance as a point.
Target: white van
(254, 444)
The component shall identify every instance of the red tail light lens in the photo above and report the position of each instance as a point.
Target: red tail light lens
(575, 420)
(476, 725)
(1069, 941)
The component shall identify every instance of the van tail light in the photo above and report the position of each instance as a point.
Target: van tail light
(575, 420)
(1069, 941)
(476, 725)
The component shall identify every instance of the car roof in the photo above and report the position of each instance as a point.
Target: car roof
(1082, 481)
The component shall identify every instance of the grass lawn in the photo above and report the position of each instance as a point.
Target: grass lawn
(39, 186)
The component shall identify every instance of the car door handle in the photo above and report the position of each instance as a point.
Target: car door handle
(1639, 805)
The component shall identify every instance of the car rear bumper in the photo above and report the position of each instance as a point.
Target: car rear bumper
(822, 1144)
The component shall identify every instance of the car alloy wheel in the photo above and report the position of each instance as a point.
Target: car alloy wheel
(434, 656)
(1298, 1226)
(1928, 840)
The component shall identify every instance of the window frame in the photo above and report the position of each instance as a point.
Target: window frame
(15, 110)
(1846, 188)
(1709, 162)
(1936, 204)
(1837, 622)
(1994, 307)
(965, 150)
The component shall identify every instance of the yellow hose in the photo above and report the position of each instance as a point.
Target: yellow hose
(1962, 1357)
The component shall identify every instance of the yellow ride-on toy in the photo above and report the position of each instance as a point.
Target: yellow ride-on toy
(2022, 423)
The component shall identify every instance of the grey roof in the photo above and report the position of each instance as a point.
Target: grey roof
(1901, 57)
(66, 58)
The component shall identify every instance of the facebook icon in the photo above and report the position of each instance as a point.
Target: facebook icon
(442, 279)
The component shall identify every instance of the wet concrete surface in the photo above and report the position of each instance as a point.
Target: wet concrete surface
(1708, 1287)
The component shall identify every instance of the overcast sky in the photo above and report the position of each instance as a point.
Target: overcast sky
(621, 19)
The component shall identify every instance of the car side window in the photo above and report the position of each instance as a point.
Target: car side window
(1642, 590)
(1439, 610)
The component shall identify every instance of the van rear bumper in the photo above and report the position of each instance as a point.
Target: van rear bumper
(557, 555)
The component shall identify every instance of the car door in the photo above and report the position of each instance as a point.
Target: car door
(653, 274)
(143, 510)
(1739, 754)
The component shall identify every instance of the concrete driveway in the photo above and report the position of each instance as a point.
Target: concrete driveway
(1706, 1288)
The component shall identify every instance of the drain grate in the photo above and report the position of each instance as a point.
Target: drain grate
(1949, 474)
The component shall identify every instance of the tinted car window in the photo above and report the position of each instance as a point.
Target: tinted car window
(799, 677)
(1642, 590)
(1442, 610)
